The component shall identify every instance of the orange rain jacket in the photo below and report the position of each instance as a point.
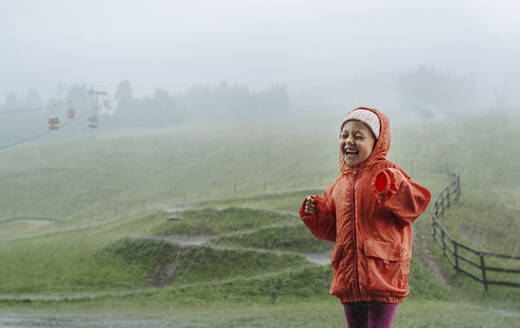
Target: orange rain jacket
(370, 223)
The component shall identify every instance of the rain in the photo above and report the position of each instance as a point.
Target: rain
(154, 158)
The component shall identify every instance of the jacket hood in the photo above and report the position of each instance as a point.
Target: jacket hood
(381, 146)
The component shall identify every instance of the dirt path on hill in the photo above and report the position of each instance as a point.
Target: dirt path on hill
(22, 225)
(424, 252)
(320, 258)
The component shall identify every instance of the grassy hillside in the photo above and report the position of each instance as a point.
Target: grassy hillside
(288, 237)
(102, 178)
(124, 257)
(104, 215)
(109, 177)
(210, 221)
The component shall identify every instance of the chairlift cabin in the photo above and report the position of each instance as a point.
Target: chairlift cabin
(93, 122)
(71, 113)
(54, 123)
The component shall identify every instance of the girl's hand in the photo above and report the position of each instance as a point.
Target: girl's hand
(310, 206)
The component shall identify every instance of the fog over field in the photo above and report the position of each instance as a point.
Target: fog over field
(324, 52)
(154, 156)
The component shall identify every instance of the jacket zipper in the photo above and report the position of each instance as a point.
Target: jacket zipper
(354, 232)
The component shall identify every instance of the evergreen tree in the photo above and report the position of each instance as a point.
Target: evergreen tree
(10, 102)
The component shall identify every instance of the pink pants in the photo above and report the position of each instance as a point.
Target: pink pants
(369, 314)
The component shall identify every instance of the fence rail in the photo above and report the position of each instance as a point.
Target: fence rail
(453, 249)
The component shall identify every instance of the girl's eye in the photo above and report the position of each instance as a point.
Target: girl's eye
(359, 137)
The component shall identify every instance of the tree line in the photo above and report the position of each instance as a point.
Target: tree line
(200, 103)
(426, 90)
(218, 102)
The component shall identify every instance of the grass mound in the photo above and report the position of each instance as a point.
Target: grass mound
(165, 263)
(296, 284)
(300, 283)
(290, 237)
(142, 224)
(142, 254)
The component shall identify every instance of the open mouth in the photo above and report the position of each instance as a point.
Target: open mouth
(351, 153)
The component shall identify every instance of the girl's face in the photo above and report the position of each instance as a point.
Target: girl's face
(356, 142)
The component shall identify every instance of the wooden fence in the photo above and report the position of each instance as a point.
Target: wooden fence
(458, 253)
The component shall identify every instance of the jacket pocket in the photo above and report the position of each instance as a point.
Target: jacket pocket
(388, 267)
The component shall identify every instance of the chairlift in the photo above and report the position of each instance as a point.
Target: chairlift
(92, 122)
(71, 113)
(54, 123)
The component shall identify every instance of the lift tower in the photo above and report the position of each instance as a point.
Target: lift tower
(92, 120)
(96, 94)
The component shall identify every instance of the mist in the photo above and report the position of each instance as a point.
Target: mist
(155, 157)
(342, 53)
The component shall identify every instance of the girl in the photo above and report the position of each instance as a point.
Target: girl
(368, 212)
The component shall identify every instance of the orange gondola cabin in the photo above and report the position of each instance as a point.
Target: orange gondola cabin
(71, 113)
(54, 123)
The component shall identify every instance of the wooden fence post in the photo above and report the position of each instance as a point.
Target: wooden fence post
(483, 267)
(449, 193)
(443, 242)
(442, 204)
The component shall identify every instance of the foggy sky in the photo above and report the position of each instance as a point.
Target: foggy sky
(302, 44)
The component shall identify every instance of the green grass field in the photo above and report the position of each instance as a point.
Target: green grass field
(103, 221)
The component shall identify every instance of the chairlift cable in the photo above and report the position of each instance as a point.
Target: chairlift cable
(32, 109)
(39, 135)
(24, 110)
(96, 93)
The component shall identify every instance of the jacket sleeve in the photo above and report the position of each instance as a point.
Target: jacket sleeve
(322, 224)
(400, 195)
